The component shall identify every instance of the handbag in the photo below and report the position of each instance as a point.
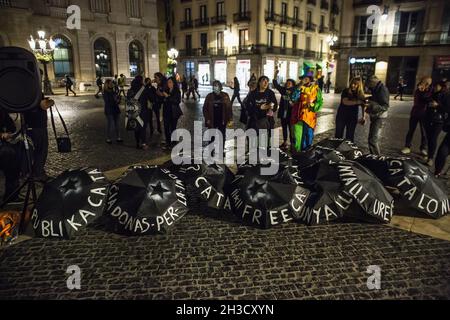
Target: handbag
(63, 143)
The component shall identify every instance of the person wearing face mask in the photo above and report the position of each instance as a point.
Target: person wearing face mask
(217, 110)
(171, 110)
(352, 99)
(262, 104)
(289, 95)
(304, 114)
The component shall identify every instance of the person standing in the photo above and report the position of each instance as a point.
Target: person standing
(69, 84)
(434, 120)
(262, 103)
(115, 83)
(112, 112)
(171, 110)
(400, 89)
(161, 87)
(99, 83)
(245, 117)
(289, 95)
(139, 91)
(151, 105)
(184, 87)
(217, 110)
(191, 89)
(320, 83)
(444, 148)
(195, 82)
(9, 163)
(36, 123)
(328, 85)
(377, 108)
(422, 98)
(236, 91)
(304, 115)
(352, 100)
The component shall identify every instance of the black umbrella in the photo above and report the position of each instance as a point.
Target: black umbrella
(146, 200)
(208, 186)
(367, 191)
(347, 148)
(417, 186)
(267, 200)
(69, 203)
(328, 201)
(313, 155)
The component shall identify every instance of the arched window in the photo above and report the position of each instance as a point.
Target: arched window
(136, 58)
(102, 55)
(62, 57)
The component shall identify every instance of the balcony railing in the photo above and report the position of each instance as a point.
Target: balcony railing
(242, 16)
(397, 40)
(324, 5)
(358, 3)
(186, 24)
(335, 7)
(312, 2)
(297, 23)
(201, 22)
(218, 20)
(217, 51)
(311, 27)
(276, 18)
(323, 29)
(248, 49)
(310, 54)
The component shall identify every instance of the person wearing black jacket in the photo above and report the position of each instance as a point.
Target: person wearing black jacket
(140, 133)
(171, 110)
(236, 91)
(112, 112)
(69, 84)
(262, 104)
(377, 108)
(9, 163)
(444, 148)
(284, 112)
(434, 120)
(99, 83)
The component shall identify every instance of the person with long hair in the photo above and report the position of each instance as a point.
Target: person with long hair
(171, 110)
(422, 98)
(112, 112)
(352, 100)
(289, 95)
(236, 91)
(262, 104)
(434, 120)
(217, 110)
(444, 148)
(184, 87)
(161, 87)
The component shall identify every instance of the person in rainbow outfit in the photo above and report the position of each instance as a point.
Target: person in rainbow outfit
(304, 114)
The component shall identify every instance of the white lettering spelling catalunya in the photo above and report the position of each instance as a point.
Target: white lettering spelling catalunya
(208, 193)
(50, 228)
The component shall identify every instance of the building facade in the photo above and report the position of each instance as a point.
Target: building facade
(115, 37)
(408, 39)
(221, 39)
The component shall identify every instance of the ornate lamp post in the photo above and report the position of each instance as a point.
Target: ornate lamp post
(102, 58)
(43, 49)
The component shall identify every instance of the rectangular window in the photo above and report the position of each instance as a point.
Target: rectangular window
(243, 6)
(220, 9)
(295, 13)
(188, 42)
(309, 17)
(294, 41)
(270, 7)
(322, 20)
(243, 37)
(134, 8)
(204, 42)
(187, 14)
(100, 6)
(321, 47)
(269, 38)
(203, 13)
(220, 40)
(308, 43)
(283, 40)
(284, 9)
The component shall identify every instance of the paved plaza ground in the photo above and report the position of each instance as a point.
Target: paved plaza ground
(203, 258)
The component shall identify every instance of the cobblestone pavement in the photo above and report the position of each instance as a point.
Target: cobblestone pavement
(203, 258)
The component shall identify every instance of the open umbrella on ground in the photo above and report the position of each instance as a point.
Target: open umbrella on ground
(347, 148)
(208, 186)
(267, 200)
(69, 203)
(328, 201)
(417, 186)
(308, 158)
(146, 200)
(368, 192)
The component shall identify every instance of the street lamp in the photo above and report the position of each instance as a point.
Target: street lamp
(102, 58)
(43, 50)
(172, 62)
(332, 39)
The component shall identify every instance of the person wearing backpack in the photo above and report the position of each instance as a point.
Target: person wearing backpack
(69, 84)
(140, 95)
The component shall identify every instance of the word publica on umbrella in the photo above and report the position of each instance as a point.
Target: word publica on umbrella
(219, 199)
(95, 200)
(355, 189)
